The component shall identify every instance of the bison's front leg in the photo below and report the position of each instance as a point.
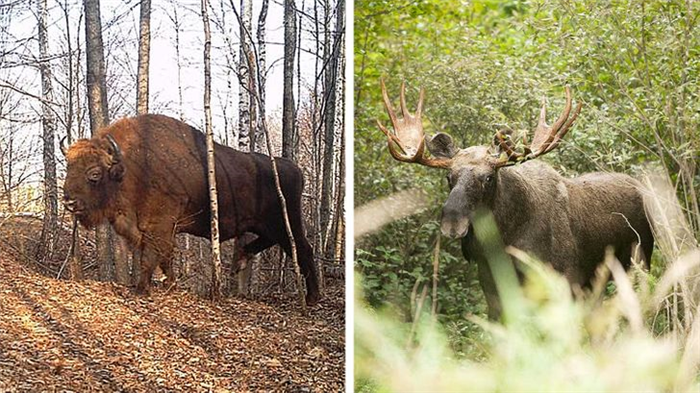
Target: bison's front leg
(157, 250)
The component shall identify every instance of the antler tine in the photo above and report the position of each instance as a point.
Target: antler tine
(404, 110)
(419, 107)
(407, 134)
(544, 135)
(560, 127)
(542, 121)
(512, 156)
(564, 130)
(507, 145)
(542, 131)
(387, 103)
(546, 138)
(563, 117)
(390, 137)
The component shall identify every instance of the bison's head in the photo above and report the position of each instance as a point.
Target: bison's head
(94, 171)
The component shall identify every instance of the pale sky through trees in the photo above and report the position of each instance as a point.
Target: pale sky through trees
(120, 20)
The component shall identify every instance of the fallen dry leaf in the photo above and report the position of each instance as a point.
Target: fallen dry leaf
(58, 335)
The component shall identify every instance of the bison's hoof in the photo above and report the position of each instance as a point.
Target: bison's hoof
(142, 290)
(312, 299)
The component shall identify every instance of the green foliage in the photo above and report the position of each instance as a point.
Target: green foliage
(549, 343)
(635, 64)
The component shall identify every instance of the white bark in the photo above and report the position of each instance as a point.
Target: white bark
(211, 163)
(144, 55)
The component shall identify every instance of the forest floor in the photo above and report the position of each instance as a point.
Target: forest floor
(58, 335)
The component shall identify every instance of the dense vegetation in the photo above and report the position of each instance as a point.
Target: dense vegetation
(635, 65)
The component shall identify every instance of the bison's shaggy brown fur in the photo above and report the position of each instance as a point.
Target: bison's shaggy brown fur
(150, 183)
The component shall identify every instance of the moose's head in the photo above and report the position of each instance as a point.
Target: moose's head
(473, 171)
(94, 170)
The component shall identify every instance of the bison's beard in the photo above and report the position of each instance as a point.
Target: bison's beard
(90, 219)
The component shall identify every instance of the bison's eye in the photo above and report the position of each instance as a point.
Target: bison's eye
(94, 175)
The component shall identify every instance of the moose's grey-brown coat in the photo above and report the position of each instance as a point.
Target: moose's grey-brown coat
(566, 222)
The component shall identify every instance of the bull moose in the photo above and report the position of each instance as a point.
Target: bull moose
(566, 222)
(147, 176)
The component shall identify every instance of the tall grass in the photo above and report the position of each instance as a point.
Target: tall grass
(551, 340)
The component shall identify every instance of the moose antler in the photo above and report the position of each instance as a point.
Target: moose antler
(546, 138)
(407, 133)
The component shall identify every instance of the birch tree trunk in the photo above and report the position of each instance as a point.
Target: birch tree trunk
(122, 250)
(70, 91)
(329, 134)
(49, 227)
(99, 117)
(75, 267)
(290, 40)
(245, 77)
(144, 55)
(262, 77)
(340, 209)
(211, 163)
(300, 34)
(177, 25)
(317, 145)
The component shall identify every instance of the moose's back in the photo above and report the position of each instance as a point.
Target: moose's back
(607, 209)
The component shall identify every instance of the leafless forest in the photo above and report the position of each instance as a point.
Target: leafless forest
(69, 67)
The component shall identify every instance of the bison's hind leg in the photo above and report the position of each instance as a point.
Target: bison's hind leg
(305, 260)
(308, 269)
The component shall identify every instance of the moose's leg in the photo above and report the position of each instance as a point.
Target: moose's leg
(488, 286)
(473, 252)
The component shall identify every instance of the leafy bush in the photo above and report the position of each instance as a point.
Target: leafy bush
(635, 64)
(547, 343)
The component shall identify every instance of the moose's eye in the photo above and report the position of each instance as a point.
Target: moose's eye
(488, 179)
(94, 175)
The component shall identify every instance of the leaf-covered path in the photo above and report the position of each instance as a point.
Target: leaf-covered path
(59, 335)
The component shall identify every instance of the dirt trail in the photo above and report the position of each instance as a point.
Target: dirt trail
(58, 335)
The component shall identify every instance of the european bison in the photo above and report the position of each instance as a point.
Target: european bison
(566, 222)
(147, 176)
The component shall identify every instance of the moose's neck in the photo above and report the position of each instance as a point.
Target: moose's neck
(511, 200)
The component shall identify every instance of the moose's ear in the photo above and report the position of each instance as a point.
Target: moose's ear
(441, 145)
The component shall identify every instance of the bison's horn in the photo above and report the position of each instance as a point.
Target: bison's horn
(117, 152)
(64, 148)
